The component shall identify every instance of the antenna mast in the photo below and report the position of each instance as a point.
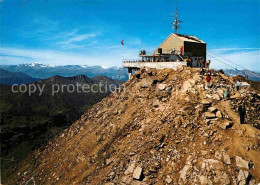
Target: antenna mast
(176, 23)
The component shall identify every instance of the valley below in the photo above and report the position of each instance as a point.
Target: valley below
(29, 121)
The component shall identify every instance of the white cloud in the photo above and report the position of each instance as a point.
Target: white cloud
(78, 38)
(78, 46)
(73, 40)
(234, 49)
(61, 35)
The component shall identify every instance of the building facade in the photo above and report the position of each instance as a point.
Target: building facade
(177, 47)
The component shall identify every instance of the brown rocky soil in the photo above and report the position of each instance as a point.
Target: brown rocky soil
(164, 127)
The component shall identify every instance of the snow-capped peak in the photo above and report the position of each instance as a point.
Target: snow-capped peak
(84, 66)
(34, 64)
(104, 67)
(115, 67)
(49, 65)
(37, 64)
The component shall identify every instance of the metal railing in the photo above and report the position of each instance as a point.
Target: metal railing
(174, 52)
(132, 60)
(136, 60)
(146, 53)
(177, 52)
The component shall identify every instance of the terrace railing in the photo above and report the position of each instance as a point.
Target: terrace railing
(136, 60)
(177, 52)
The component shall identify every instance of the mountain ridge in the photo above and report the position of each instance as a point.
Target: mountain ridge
(9, 78)
(37, 70)
(160, 127)
(255, 76)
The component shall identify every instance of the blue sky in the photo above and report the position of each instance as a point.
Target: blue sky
(84, 32)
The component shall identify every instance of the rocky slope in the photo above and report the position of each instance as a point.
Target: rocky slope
(162, 127)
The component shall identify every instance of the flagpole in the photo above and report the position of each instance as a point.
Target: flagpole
(122, 42)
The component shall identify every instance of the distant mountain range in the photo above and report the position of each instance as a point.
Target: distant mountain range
(41, 71)
(28, 122)
(10, 78)
(37, 70)
(250, 74)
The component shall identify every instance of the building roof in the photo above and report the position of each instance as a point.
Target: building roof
(188, 38)
(173, 38)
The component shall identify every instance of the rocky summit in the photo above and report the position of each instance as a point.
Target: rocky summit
(160, 127)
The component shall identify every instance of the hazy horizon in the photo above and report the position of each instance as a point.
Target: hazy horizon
(103, 66)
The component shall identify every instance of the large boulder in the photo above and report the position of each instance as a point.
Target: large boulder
(209, 115)
(161, 86)
(130, 168)
(219, 114)
(225, 125)
(226, 159)
(145, 83)
(184, 171)
(138, 173)
(241, 163)
(243, 177)
(213, 109)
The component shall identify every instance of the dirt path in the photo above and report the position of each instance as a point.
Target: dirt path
(227, 78)
(241, 137)
(225, 106)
